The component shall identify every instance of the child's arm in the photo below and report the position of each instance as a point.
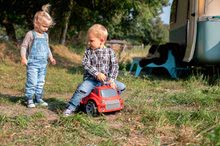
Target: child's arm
(113, 72)
(23, 60)
(112, 84)
(101, 77)
(52, 60)
(24, 46)
(91, 69)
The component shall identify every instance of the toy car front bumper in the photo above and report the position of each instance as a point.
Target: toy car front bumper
(110, 105)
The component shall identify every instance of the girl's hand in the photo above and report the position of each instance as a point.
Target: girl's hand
(23, 61)
(53, 61)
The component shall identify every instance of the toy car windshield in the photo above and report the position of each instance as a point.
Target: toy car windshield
(108, 93)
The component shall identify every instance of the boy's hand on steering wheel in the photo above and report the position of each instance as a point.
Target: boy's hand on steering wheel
(112, 84)
(101, 77)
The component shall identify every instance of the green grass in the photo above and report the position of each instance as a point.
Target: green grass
(158, 111)
(153, 108)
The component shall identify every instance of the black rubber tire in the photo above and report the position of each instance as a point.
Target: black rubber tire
(91, 109)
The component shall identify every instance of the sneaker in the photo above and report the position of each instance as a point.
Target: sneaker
(41, 102)
(30, 104)
(67, 112)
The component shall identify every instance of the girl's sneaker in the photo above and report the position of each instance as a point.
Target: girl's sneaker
(41, 102)
(30, 104)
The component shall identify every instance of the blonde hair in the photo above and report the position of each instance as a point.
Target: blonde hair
(43, 16)
(99, 31)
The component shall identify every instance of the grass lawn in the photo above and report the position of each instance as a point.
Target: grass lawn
(158, 111)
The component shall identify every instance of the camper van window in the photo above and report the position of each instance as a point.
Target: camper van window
(174, 11)
(201, 7)
(212, 7)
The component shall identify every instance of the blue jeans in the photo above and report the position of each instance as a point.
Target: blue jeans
(84, 90)
(36, 73)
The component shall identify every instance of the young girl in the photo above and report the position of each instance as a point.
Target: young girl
(34, 54)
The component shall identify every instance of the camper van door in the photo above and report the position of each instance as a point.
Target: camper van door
(191, 30)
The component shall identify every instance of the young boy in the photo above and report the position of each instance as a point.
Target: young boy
(100, 66)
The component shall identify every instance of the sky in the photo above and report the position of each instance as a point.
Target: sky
(165, 16)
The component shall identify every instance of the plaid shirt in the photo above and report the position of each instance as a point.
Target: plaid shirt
(100, 60)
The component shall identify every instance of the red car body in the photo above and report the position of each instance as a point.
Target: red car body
(106, 99)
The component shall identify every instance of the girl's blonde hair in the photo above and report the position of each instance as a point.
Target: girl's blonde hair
(99, 31)
(43, 16)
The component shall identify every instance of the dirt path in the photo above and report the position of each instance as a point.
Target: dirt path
(13, 105)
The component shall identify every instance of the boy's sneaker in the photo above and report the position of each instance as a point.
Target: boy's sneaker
(41, 102)
(30, 104)
(67, 112)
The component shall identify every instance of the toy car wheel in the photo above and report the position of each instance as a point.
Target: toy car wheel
(91, 109)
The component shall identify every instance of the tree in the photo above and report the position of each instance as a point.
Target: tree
(66, 17)
(16, 12)
(125, 19)
(159, 32)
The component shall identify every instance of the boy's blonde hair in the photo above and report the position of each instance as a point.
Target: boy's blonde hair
(43, 16)
(99, 31)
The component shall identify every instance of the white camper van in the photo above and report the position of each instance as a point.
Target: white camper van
(195, 24)
(194, 38)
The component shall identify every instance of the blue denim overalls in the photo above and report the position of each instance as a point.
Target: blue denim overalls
(37, 67)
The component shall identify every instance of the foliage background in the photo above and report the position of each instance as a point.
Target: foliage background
(136, 21)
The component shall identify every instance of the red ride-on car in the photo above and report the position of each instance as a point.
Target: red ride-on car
(102, 99)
